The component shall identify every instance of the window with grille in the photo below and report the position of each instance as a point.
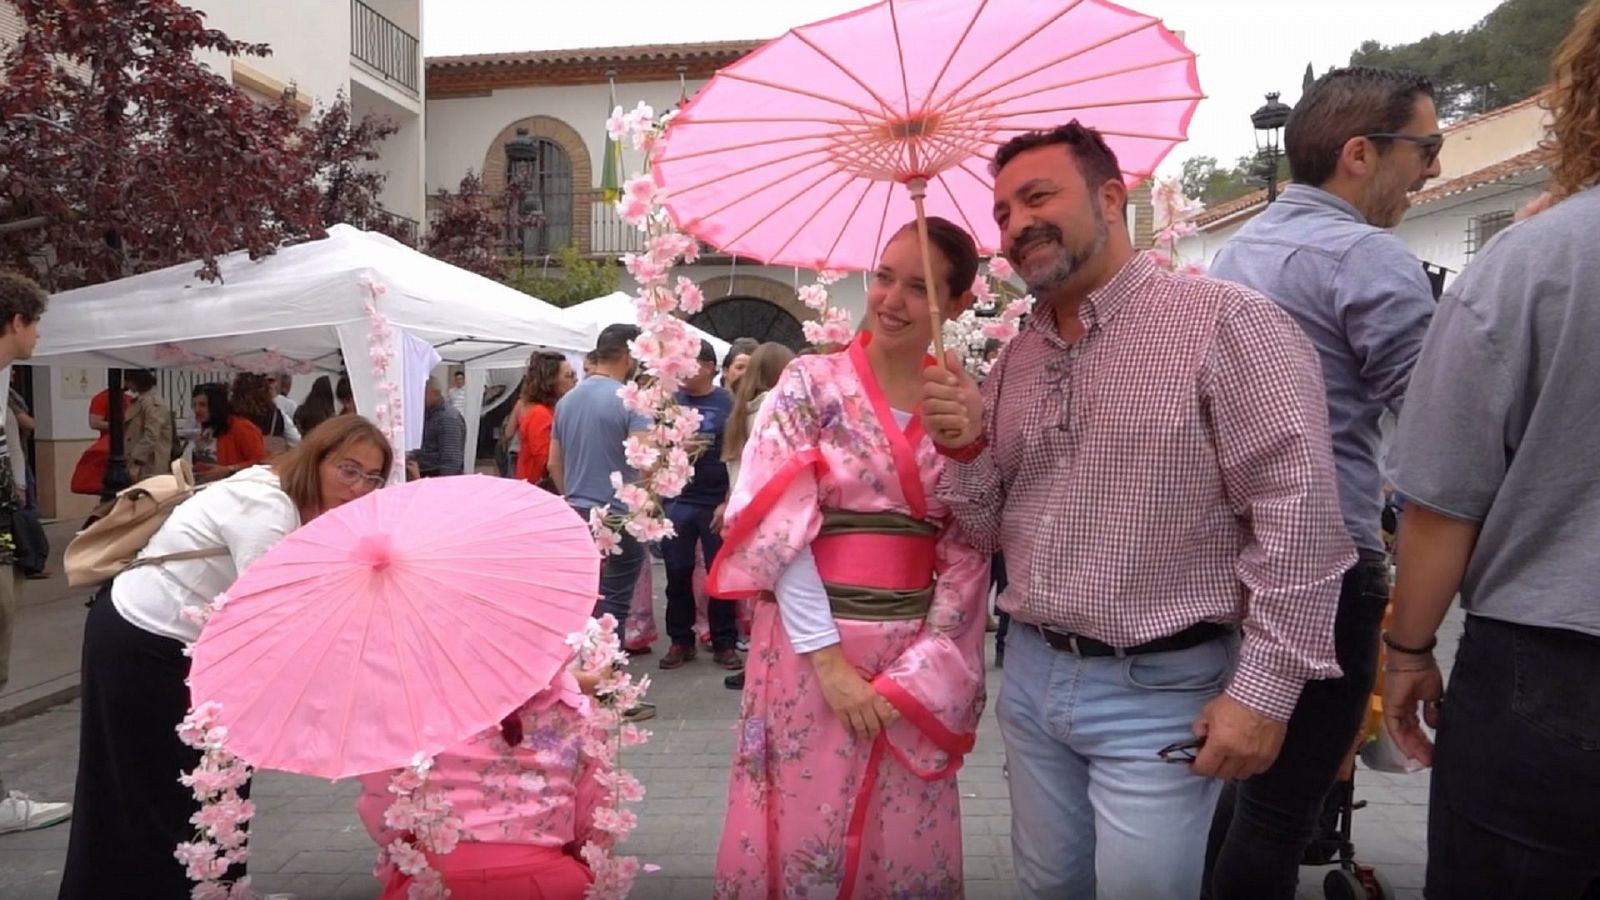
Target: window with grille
(541, 223)
(1481, 228)
(738, 317)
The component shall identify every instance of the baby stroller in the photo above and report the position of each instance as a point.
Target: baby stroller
(1351, 880)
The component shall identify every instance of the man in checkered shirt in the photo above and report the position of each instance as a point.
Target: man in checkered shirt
(1152, 456)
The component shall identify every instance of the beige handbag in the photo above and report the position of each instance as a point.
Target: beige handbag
(111, 543)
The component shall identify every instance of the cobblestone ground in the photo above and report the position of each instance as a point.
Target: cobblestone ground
(307, 841)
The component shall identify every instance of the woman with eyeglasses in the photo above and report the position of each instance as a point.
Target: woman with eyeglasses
(131, 812)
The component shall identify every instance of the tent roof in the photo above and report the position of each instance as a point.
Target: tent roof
(617, 308)
(290, 305)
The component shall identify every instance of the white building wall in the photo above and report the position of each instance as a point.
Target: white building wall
(310, 41)
(1437, 233)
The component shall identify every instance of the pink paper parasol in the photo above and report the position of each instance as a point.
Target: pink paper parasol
(791, 156)
(397, 625)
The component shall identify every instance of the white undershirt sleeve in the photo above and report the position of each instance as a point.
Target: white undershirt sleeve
(803, 604)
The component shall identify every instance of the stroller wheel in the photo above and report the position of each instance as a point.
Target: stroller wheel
(1341, 884)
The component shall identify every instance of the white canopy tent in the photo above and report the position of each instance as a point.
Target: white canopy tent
(617, 309)
(305, 307)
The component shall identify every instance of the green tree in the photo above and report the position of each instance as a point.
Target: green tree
(576, 279)
(1502, 59)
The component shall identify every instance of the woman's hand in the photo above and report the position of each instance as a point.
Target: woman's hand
(862, 710)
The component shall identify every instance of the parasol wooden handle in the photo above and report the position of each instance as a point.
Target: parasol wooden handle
(919, 188)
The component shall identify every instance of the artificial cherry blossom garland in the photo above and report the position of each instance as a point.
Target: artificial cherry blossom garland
(969, 332)
(389, 413)
(1173, 214)
(600, 655)
(422, 814)
(268, 360)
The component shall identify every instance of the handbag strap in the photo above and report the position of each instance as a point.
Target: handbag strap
(200, 553)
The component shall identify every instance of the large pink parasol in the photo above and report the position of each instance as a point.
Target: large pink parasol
(397, 625)
(810, 150)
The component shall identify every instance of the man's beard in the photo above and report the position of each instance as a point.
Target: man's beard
(1386, 204)
(1043, 282)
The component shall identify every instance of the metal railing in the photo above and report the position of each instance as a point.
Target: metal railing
(608, 234)
(383, 45)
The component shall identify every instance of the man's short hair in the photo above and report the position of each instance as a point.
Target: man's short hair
(613, 342)
(1343, 104)
(20, 296)
(1097, 162)
(708, 353)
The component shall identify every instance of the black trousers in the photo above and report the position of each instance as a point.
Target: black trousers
(1264, 824)
(129, 811)
(1514, 805)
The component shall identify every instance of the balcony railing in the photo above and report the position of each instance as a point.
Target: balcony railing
(608, 234)
(383, 45)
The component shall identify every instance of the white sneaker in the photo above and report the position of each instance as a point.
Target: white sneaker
(19, 812)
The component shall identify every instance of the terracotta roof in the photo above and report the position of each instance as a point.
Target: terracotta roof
(708, 50)
(1213, 214)
(1500, 171)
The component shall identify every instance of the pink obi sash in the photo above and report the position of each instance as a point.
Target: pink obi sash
(495, 871)
(876, 566)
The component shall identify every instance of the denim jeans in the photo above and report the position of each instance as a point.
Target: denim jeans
(1094, 811)
(1263, 825)
(692, 524)
(1515, 798)
(619, 576)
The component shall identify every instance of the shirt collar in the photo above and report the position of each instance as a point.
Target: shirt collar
(1304, 196)
(1103, 302)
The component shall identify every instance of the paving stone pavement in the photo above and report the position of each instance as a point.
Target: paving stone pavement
(307, 841)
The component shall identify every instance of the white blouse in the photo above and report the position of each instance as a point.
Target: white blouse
(246, 513)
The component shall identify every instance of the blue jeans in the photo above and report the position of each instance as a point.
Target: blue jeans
(619, 576)
(691, 523)
(1094, 811)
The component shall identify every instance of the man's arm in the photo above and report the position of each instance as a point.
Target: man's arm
(427, 457)
(1384, 301)
(558, 474)
(1263, 384)
(958, 415)
(453, 445)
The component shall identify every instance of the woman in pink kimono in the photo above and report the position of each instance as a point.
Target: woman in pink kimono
(524, 792)
(865, 676)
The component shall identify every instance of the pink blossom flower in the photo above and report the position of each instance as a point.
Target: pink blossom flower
(981, 292)
(640, 187)
(633, 211)
(650, 529)
(427, 885)
(1000, 267)
(406, 857)
(645, 269)
(1002, 330)
(814, 296)
(608, 541)
(829, 276)
(690, 298)
(1193, 268)
(641, 118)
(639, 454)
(617, 125)
(210, 890)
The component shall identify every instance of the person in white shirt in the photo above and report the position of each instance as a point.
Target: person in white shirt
(458, 391)
(281, 384)
(131, 810)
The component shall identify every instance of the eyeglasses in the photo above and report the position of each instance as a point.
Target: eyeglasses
(1428, 144)
(351, 476)
(1182, 751)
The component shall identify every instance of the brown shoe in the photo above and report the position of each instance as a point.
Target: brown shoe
(677, 656)
(728, 659)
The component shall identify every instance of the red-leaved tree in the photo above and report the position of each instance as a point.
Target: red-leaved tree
(344, 152)
(466, 229)
(121, 153)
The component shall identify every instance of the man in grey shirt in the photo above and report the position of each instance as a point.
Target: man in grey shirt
(1358, 141)
(1497, 458)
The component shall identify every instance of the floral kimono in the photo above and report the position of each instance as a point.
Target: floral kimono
(812, 810)
(524, 809)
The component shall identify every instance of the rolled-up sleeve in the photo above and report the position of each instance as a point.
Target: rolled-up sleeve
(1269, 412)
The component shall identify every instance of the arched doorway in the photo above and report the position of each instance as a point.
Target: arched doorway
(736, 317)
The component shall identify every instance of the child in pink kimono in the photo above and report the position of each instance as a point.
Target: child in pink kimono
(865, 675)
(523, 791)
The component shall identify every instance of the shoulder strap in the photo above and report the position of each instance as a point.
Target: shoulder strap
(200, 553)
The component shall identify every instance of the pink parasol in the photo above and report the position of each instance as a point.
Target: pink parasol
(792, 155)
(397, 625)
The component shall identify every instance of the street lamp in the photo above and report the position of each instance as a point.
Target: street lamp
(522, 161)
(1268, 122)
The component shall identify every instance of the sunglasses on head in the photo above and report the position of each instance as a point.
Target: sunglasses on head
(1429, 144)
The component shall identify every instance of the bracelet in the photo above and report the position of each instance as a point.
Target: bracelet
(1398, 670)
(1425, 650)
(964, 454)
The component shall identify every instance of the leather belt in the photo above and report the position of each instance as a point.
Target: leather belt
(1085, 646)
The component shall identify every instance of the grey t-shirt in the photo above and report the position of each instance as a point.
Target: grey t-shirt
(591, 424)
(1502, 419)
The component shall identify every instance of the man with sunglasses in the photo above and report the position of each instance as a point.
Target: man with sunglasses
(1358, 142)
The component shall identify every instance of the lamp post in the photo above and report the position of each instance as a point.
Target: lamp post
(522, 160)
(1268, 122)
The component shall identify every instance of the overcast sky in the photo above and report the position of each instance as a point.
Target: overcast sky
(1245, 47)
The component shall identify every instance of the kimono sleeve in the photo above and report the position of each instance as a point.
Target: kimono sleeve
(937, 684)
(774, 510)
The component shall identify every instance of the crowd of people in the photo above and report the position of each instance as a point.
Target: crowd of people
(1185, 477)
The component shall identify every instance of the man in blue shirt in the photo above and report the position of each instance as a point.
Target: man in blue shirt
(1358, 141)
(696, 516)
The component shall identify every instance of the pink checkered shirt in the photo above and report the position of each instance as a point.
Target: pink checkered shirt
(1171, 467)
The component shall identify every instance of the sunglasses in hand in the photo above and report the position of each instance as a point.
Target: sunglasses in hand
(1182, 751)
